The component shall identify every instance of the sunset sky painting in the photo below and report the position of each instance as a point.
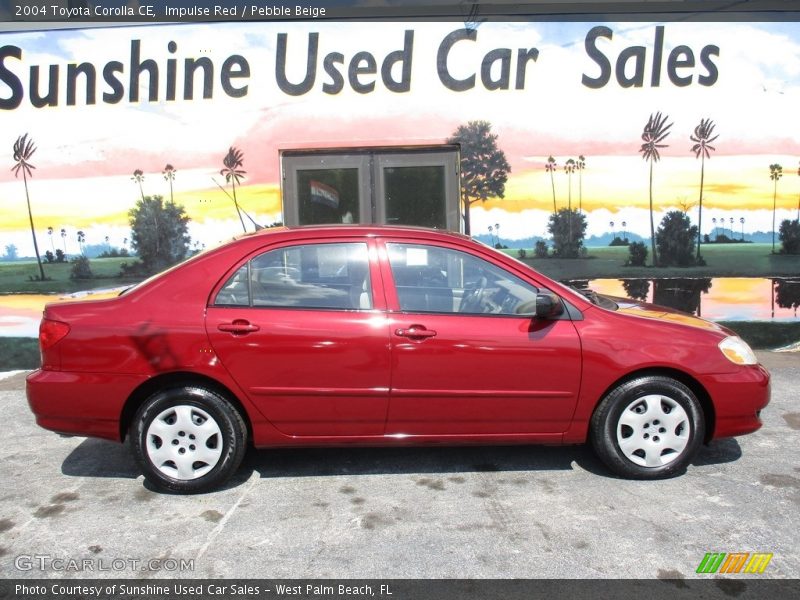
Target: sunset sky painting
(86, 152)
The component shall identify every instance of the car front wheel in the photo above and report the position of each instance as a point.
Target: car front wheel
(188, 439)
(648, 428)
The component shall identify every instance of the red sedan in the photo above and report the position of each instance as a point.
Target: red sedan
(383, 336)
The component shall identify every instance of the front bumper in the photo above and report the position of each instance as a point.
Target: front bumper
(738, 400)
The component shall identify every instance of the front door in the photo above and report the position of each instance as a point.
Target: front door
(464, 360)
(300, 330)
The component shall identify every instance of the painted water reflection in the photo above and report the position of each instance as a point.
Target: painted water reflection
(717, 299)
(20, 313)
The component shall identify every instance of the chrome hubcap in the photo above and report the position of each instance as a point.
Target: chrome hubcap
(653, 430)
(184, 442)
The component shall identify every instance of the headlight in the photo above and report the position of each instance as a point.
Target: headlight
(737, 351)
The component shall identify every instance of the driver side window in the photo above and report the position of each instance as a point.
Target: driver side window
(430, 279)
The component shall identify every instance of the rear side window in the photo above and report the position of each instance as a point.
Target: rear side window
(318, 276)
(236, 291)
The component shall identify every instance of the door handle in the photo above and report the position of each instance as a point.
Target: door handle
(415, 332)
(238, 327)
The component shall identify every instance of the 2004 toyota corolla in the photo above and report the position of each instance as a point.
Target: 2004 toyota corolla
(383, 336)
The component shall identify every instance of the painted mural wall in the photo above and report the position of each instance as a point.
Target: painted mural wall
(117, 113)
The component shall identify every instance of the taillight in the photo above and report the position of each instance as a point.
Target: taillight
(51, 332)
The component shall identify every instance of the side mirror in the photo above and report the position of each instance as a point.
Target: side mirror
(548, 306)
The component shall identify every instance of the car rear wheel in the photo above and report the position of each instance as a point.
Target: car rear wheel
(648, 428)
(188, 439)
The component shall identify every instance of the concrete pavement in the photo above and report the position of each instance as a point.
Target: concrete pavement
(491, 512)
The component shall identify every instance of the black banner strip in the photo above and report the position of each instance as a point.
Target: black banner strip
(741, 588)
(470, 13)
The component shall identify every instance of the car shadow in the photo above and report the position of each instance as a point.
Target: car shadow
(718, 452)
(101, 458)
(316, 462)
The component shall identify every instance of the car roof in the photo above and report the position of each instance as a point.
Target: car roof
(343, 230)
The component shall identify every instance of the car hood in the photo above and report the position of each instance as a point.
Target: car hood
(662, 313)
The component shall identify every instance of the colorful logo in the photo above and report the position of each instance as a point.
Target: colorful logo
(734, 562)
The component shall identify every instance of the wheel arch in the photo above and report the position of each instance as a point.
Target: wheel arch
(697, 388)
(173, 380)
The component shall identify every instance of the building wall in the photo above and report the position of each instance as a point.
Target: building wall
(548, 89)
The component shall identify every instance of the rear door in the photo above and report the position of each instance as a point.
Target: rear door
(302, 329)
(464, 360)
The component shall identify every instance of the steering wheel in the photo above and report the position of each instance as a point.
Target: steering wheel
(472, 301)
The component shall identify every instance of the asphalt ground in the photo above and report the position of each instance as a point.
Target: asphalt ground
(75, 507)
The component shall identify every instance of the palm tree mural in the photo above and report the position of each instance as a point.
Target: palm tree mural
(580, 165)
(655, 131)
(81, 240)
(50, 233)
(233, 162)
(569, 169)
(702, 138)
(741, 220)
(169, 174)
(775, 173)
(138, 177)
(550, 167)
(64, 239)
(22, 152)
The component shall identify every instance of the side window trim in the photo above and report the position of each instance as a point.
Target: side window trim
(249, 284)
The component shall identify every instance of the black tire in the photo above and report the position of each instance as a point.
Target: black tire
(648, 428)
(199, 424)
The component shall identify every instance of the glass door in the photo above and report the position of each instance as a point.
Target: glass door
(385, 185)
(417, 189)
(326, 189)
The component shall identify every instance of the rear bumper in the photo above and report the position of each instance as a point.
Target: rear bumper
(85, 404)
(738, 400)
